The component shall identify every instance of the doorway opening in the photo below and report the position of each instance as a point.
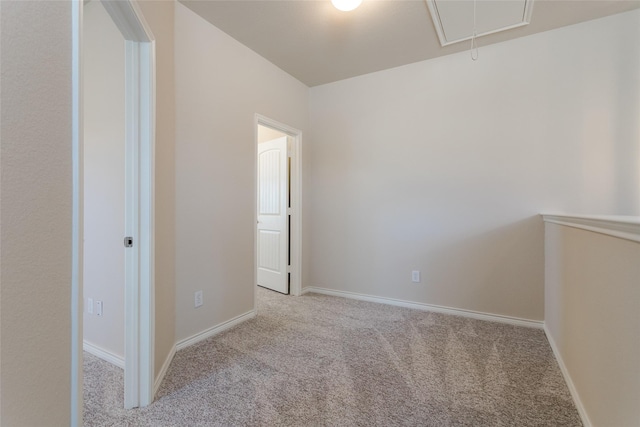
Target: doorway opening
(139, 100)
(103, 259)
(278, 210)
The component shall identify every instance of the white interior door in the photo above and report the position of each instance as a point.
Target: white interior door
(273, 201)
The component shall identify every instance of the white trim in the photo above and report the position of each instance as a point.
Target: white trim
(623, 227)
(565, 373)
(129, 19)
(139, 223)
(77, 238)
(306, 290)
(163, 370)
(296, 201)
(103, 354)
(201, 336)
(215, 330)
(132, 225)
(516, 321)
(147, 224)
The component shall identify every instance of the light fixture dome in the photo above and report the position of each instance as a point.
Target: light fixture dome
(346, 5)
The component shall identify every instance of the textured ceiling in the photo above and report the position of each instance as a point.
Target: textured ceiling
(318, 44)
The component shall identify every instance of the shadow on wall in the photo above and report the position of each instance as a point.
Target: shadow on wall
(499, 271)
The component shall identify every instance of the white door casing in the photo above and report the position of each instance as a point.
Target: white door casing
(139, 203)
(295, 200)
(272, 227)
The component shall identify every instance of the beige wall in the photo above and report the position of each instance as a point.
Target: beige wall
(220, 85)
(104, 145)
(35, 212)
(159, 15)
(439, 166)
(591, 313)
(442, 166)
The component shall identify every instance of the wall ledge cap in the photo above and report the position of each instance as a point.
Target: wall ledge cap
(621, 226)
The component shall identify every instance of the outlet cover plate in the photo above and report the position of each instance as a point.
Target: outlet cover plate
(415, 276)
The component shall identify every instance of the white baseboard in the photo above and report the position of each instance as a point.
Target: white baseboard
(428, 307)
(163, 370)
(207, 333)
(103, 354)
(182, 344)
(565, 373)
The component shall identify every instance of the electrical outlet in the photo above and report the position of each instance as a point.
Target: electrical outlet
(90, 305)
(98, 308)
(415, 276)
(198, 299)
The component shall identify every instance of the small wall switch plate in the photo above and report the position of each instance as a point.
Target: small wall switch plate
(415, 276)
(90, 305)
(98, 308)
(198, 299)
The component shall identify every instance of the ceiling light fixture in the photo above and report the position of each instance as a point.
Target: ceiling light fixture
(346, 5)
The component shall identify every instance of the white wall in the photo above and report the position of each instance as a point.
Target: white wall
(442, 166)
(104, 147)
(591, 315)
(220, 85)
(35, 227)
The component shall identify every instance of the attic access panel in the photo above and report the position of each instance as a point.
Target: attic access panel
(453, 19)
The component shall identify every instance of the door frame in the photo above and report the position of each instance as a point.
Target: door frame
(139, 204)
(296, 203)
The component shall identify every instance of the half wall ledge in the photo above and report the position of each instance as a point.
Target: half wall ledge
(621, 226)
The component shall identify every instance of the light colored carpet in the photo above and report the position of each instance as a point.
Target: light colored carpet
(318, 360)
